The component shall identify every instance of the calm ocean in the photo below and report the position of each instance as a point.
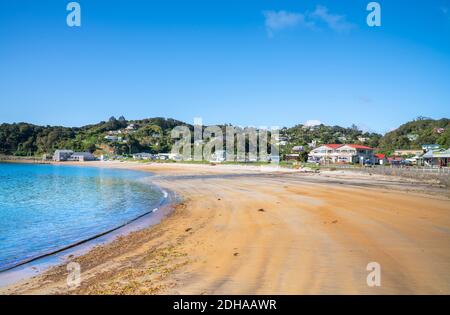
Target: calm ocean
(44, 208)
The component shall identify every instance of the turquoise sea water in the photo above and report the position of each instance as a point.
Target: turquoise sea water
(44, 208)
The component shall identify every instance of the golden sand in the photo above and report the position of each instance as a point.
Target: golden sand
(263, 232)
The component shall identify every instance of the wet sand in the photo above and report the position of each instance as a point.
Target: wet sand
(261, 231)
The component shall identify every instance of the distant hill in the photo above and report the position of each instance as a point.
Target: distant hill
(122, 136)
(153, 134)
(414, 134)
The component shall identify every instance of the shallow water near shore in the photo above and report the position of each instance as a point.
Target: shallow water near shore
(45, 208)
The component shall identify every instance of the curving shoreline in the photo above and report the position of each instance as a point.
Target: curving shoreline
(277, 232)
(28, 267)
(163, 202)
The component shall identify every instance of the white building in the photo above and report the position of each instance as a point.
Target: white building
(412, 136)
(69, 155)
(436, 158)
(82, 156)
(342, 153)
(362, 139)
(281, 140)
(131, 127)
(143, 156)
(112, 138)
(169, 156)
(62, 155)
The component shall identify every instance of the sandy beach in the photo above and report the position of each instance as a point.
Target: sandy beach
(241, 230)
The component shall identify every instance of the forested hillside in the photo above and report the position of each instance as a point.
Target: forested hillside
(24, 139)
(414, 134)
(121, 136)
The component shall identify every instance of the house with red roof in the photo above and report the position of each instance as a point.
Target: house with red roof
(342, 153)
(380, 159)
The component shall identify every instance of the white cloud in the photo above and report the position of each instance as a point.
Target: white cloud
(335, 22)
(279, 20)
(276, 21)
(312, 123)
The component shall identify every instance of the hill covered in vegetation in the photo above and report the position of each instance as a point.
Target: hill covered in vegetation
(122, 136)
(153, 134)
(414, 134)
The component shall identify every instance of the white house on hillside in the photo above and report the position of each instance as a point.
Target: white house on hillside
(111, 138)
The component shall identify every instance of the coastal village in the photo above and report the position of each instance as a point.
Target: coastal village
(358, 154)
(430, 155)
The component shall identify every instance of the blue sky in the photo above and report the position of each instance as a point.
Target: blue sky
(261, 63)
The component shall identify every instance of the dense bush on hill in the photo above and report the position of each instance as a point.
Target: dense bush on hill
(23, 139)
(153, 135)
(414, 134)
